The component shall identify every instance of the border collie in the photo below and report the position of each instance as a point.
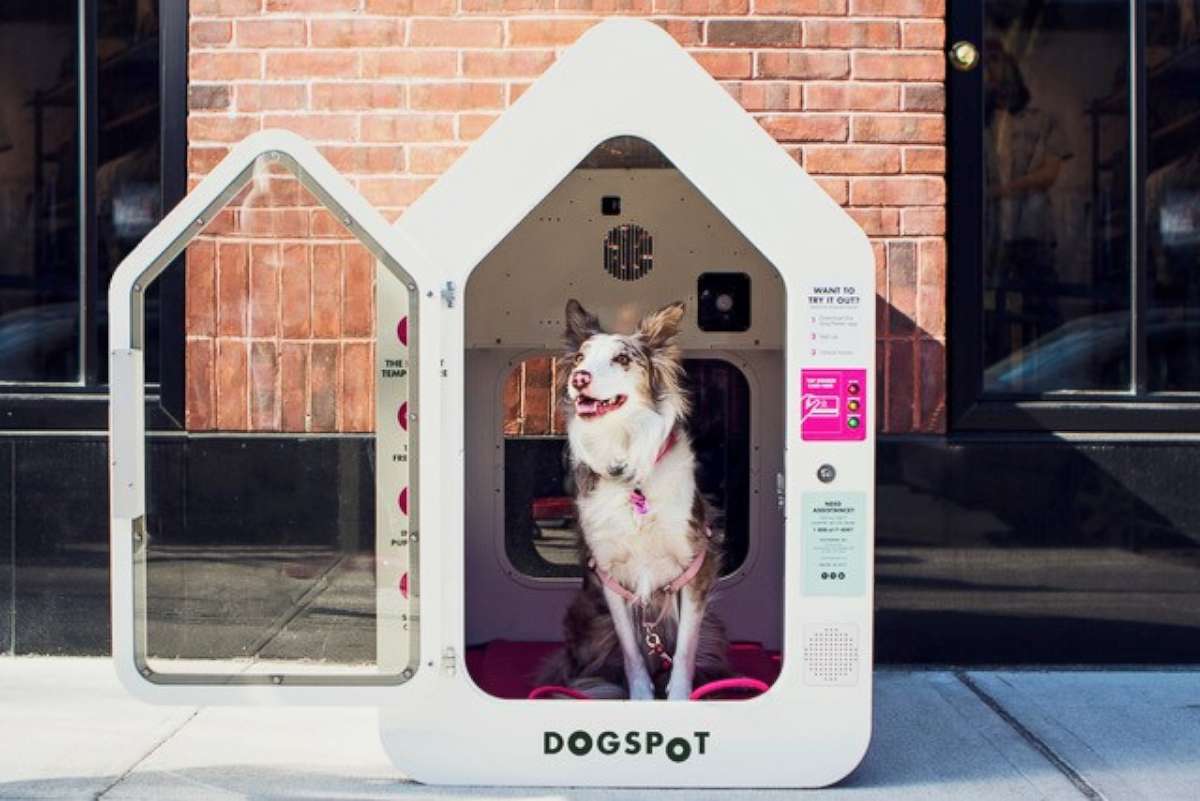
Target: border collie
(639, 625)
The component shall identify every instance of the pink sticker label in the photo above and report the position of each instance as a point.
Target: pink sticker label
(833, 404)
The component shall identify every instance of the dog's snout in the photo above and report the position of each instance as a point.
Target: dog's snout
(580, 379)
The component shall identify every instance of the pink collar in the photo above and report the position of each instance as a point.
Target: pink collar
(669, 443)
(675, 586)
(637, 498)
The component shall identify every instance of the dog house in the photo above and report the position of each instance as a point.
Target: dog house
(627, 178)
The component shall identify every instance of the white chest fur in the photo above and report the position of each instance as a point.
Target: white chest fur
(644, 552)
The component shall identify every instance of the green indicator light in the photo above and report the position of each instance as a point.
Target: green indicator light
(853, 422)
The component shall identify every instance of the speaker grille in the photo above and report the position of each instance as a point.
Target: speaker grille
(831, 654)
(628, 252)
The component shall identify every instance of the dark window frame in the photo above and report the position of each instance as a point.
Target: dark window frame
(970, 409)
(35, 406)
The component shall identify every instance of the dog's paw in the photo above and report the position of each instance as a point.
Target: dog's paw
(641, 690)
(679, 688)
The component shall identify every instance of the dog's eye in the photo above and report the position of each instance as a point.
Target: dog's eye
(622, 359)
(577, 358)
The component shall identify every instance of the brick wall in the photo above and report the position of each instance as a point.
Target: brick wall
(394, 90)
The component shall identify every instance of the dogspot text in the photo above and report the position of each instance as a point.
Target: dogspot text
(580, 743)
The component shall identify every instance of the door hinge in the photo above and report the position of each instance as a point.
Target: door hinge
(780, 491)
(448, 294)
(449, 662)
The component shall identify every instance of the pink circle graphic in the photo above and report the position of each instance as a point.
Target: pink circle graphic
(402, 331)
(402, 416)
(403, 500)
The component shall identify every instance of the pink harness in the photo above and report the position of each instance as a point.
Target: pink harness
(638, 500)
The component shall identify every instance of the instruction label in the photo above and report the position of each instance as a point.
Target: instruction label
(835, 320)
(834, 526)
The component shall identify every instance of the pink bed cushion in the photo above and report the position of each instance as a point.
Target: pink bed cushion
(508, 669)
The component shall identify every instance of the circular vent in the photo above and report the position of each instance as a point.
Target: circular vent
(628, 252)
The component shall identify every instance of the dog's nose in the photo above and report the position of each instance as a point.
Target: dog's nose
(580, 379)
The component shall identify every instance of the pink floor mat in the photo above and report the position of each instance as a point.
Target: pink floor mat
(508, 669)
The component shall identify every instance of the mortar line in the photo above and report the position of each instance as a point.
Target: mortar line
(140, 760)
(1085, 788)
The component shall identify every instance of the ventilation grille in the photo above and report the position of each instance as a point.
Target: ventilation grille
(831, 654)
(628, 252)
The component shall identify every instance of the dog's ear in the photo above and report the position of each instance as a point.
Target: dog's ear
(581, 324)
(661, 327)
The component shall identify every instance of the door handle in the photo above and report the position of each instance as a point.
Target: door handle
(963, 55)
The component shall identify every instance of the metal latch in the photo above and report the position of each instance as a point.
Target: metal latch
(449, 662)
(780, 491)
(448, 294)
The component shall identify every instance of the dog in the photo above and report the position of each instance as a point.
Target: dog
(640, 625)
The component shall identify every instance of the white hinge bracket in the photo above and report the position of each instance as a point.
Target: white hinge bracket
(448, 294)
(449, 662)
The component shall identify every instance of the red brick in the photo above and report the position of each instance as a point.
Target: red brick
(472, 126)
(200, 312)
(307, 64)
(897, 192)
(461, 33)
(271, 33)
(931, 310)
(359, 159)
(902, 288)
(923, 221)
(754, 33)
(264, 290)
(807, 65)
(898, 8)
(409, 8)
(271, 96)
(219, 66)
(538, 401)
(852, 160)
(869, 66)
(220, 127)
(326, 291)
(767, 95)
(546, 32)
(932, 370)
(456, 96)
(232, 380)
(515, 90)
(800, 7)
(899, 128)
(899, 393)
(357, 386)
(511, 402)
(409, 64)
(433, 159)
(877, 222)
(357, 32)
(317, 6)
(925, 159)
(264, 395)
(701, 6)
(931, 259)
(844, 96)
(223, 8)
(316, 127)
(846, 33)
(324, 225)
(403, 128)
(606, 6)
(924, 33)
(293, 386)
(836, 188)
(925, 97)
(210, 33)
(505, 6)
(202, 159)
(506, 63)
(358, 305)
(687, 32)
(356, 96)
(395, 192)
(199, 401)
(260, 222)
(294, 292)
(233, 289)
(324, 367)
(208, 97)
(725, 63)
(805, 127)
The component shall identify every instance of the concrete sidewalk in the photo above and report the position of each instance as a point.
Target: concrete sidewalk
(67, 731)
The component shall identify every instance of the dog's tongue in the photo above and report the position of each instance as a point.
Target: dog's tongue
(586, 405)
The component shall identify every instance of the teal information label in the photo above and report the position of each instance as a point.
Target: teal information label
(835, 529)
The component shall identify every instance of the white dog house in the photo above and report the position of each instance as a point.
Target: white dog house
(627, 178)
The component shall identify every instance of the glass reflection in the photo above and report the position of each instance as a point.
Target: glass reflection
(39, 192)
(1056, 190)
(1173, 193)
